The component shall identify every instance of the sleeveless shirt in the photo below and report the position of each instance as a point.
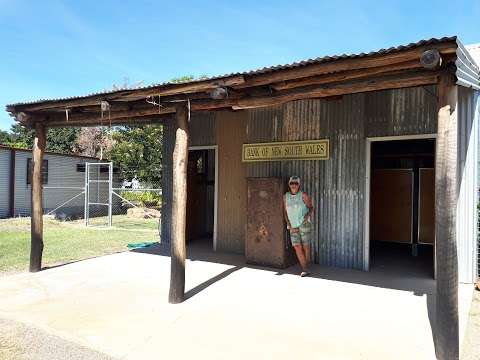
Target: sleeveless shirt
(296, 208)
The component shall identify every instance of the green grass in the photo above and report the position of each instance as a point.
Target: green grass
(71, 240)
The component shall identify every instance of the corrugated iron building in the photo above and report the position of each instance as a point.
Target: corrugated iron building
(338, 185)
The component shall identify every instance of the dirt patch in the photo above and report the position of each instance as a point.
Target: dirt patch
(471, 344)
(22, 342)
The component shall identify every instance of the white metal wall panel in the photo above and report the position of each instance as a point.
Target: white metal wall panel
(467, 112)
(4, 182)
(62, 173)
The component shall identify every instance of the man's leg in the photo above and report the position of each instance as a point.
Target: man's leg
(306, 251)
(301, 257)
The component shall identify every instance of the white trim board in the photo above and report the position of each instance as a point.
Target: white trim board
(215, 206)
(368, 152)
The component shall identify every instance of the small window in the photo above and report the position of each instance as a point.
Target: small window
(30, 171)
(81, 168)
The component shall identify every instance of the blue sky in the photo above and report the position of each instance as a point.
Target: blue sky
(54, 48)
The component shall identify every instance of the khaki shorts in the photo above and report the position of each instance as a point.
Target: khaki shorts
(303, 236)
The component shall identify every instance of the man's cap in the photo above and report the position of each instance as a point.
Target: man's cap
(295, 179)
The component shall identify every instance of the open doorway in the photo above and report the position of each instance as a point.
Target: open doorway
(201, 197)
(402, 205)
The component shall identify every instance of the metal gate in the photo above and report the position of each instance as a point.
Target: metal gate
(98, 193)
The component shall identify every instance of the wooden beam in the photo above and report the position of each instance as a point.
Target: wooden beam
(258, 98)
(445, 221)
(346, 75)
(134, 94)
(36, 248)
(335, 89)
(132, 121)
(337, 65)
(179, 206)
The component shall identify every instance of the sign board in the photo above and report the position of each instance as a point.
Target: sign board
(291, 150)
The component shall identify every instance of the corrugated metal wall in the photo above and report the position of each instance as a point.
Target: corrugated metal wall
(467, 113)
(401, 112)
(4, 183)
(232, 187)
(337, 185)
(62, 172)
(202, 132)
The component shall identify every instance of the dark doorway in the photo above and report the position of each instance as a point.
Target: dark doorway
(201, 196)
(402, 205)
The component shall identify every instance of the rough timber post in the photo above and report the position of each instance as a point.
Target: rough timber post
(179, 207)
(445, 221)
(36, 248)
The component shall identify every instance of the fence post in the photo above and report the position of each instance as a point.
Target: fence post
(86, 194)
(110, 190)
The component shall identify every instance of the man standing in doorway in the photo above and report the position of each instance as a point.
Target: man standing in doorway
(297, 210)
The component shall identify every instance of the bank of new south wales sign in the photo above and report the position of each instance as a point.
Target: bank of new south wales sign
(291, 150)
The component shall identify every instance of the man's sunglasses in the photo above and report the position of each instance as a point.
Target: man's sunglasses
(293, 183)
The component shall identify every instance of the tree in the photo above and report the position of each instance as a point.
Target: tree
(93, 141)
(60, 140)
(4, 137)
(137, 151)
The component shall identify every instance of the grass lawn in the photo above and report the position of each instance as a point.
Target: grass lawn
(70, 240)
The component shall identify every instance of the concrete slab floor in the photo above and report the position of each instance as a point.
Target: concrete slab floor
(117, 304)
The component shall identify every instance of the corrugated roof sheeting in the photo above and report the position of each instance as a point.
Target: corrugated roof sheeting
(468, 70)
(264, 70)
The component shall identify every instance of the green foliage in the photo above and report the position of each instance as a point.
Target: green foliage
(145, 198)
(4, 137)
(137, 151)
(60, 140)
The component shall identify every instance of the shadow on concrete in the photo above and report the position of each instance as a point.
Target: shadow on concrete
(392, 267)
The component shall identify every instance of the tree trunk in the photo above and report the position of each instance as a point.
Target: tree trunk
(445, 222)
(36, 248)
(179, 207)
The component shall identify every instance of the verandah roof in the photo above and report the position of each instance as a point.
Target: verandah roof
(394, 67)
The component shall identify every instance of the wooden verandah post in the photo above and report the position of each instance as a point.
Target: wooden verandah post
(36, 248)
(445, 221)
(179, 206)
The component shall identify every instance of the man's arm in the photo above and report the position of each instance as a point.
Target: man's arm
(309, 205)
(285, 215)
